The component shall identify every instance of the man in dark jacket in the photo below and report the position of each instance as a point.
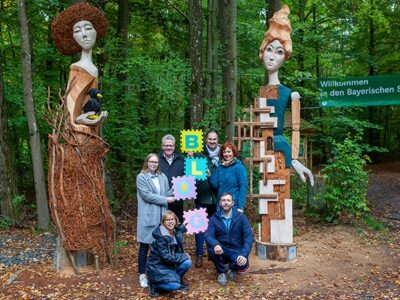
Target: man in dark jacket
(172, 164)
(206, 196)
(229, 239)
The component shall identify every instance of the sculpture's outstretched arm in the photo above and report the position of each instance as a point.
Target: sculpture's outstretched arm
(298, 167)
(302, 171)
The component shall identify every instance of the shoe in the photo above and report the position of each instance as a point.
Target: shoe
(143, 281)
(231, 274)
(199, 261)
(152, 291)
(222, 279)
(184, 287)
(241, 271)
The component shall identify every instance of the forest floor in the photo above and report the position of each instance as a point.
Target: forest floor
(346, 261)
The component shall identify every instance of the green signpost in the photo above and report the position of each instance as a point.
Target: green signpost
(359, 91)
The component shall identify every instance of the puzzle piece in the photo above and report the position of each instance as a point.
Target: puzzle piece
(197, 167)
(184, 187)
(191, 140)
(195, 220)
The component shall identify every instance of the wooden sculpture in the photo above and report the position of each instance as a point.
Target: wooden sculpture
(77, 197)
(271, 152)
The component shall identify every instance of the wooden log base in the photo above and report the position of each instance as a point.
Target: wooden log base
(272, 251)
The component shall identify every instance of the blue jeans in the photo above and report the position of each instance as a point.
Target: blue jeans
(142, 257)
(181, 270)
(199, 237)
(228, 257)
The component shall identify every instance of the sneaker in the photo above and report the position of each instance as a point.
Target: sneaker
(152, 291)
(241, 271)
(199, 261)
(143, 281)
(184, 287)
(222, 279)
(231, 274)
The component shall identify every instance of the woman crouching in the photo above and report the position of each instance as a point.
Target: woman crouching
(167, 263)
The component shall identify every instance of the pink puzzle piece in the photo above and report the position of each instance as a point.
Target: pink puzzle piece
(195, 220)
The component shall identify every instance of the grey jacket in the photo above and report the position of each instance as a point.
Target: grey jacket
(151, 205)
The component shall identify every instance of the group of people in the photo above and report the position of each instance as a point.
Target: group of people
(162, 262)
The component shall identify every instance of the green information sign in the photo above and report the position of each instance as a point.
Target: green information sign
(359, 91)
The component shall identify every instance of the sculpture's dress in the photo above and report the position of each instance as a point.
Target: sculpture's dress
(77, 196)
(278, 96)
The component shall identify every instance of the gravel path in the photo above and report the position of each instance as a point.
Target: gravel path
(19, 249)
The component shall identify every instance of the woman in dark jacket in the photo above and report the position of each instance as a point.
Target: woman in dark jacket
(167, 263)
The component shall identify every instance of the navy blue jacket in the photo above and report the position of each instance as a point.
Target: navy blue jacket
(165, 255)
(231, 179)
(240, 236)
(177, 168)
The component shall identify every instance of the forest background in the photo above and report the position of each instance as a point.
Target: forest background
(170, 65)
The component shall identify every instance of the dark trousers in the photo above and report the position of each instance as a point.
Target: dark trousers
(142, 257)
(228, 257)
(199, 237)
(177, 208)
(181, 269)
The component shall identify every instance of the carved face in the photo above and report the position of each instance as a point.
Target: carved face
(274, 56)
(84, 34)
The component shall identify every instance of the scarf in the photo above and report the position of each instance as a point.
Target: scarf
(214, 155)
(227, 163)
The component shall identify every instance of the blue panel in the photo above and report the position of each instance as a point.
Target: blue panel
(292, 252)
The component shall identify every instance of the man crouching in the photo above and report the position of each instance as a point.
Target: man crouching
(229, 240)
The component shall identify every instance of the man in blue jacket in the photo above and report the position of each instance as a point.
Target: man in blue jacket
(229, 239)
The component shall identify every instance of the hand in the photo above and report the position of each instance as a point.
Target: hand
(218, 250)
(190, 154)
(208, 172)
(171, 199)
(83, 118)
(301, 170)
(241, 260)
(240, 210)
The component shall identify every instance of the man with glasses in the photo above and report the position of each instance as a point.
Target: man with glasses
(172, 164)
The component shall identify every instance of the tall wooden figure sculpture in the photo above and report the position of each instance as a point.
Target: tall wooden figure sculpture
(78, 202)
(272, 154)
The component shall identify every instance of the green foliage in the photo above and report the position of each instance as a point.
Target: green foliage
(6, 223)
(373, 223)
(18, 207)
(298, 190)
(118, 245)
(345, 181)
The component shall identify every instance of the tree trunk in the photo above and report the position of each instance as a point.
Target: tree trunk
(273, 6)
(300, 34)
(38, 172)
(7, 183)
(211, 52)
(196, 87)
(228, 10)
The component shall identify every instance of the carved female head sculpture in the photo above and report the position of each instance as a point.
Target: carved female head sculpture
(77, 28)
(280, 30)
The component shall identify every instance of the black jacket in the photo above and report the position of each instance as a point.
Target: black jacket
(177, 168)
(166, 254)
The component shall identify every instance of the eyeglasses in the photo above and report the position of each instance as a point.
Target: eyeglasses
(153, 162)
